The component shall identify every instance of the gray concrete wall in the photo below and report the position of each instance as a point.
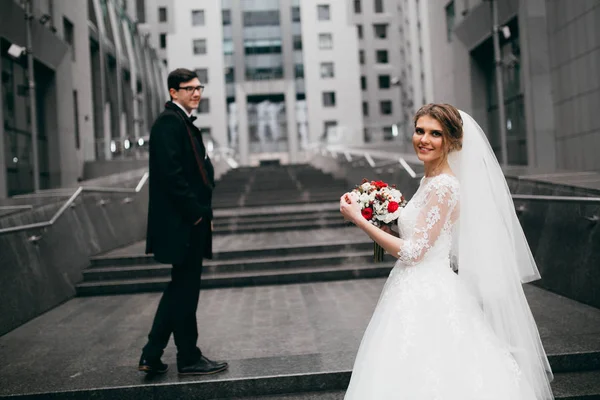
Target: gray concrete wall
(560, 61)
(574, 46)
(96, 169)
(36, 277)
(77, 13)
(3, 186)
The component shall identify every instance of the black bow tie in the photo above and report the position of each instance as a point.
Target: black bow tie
(193, 118)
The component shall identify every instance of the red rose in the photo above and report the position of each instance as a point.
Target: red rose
(367, 213)
(379, 184)
(392, 206)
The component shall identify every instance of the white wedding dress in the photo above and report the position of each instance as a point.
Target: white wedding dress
(427, 339)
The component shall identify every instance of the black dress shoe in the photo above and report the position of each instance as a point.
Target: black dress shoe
(203, 366)
(152, 366)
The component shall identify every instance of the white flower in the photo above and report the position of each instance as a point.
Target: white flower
(365, 186)
(364, 198)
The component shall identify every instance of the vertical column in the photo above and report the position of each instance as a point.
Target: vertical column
(285, 14)
(3, 183)
(119, 54)
(237, 26)
(536, 75)
(100, 109)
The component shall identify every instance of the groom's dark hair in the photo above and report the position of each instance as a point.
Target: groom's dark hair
(179, 76)
(449, 117)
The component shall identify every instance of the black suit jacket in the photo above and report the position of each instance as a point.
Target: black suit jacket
(180, 189)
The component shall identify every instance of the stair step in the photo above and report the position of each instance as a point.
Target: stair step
(328, 395)
(281, 226)
(280, 210)
(577, 385)
(237, 279)
(279, 251)
(566, 386)
(227, 266)
(287, 217)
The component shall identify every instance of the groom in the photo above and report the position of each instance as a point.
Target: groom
(179, 226)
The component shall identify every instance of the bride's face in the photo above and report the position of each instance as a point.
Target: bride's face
(428, 139)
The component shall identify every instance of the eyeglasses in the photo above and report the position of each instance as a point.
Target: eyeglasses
(192, 89)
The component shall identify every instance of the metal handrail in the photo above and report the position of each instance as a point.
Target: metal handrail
(16, 208)
(404, 158)
(560, 199)
(368, 154)
(69, 203)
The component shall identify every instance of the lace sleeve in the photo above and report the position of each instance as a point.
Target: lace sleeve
(436, 215)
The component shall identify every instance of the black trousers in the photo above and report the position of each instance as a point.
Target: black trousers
(176, 311)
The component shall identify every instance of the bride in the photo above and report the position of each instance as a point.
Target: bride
(440, 335)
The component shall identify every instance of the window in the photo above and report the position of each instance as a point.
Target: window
(365, 107)
(449, 20)
(226, 17)
(262, 46)
(299, 71)
(327, 70)
(204, 106)
(229, 75)
(385, 107)
(325, 41)
(359, 31)
(380, 30)
(323, 12)
(163, 40)
(378, 6)
(295, 14)
(363, 82)
(140, 8)
(76, 112)
(328, 126)
(361, 56)
(228, 47)
(381, 56)
(357, 7)
(198, 18)
(328, 99)
(261, 18)
(388, 133)
(199, 46)
(384, 81)
(202, 75)
(162, 14)
(69, 33)
(297, 40)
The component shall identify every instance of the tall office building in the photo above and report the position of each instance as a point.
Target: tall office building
(98, 87)
(550, 64)
(279, 75)
(387, 33)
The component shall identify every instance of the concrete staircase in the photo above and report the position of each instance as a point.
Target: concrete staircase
(288, 295)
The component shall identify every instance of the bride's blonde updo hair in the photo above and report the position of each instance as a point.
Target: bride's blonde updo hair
(449, 117)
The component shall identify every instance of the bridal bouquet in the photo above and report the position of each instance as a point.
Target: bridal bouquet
(380, 204)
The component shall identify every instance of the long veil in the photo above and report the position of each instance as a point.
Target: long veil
(494, 258)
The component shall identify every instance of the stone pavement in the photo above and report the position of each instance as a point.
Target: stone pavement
(264, 331)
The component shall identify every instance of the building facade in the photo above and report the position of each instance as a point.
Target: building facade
(98, 86)
(385, 32)
(279, 75)
(550, 67)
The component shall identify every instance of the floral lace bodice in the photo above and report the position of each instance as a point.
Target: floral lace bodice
(427, 220)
